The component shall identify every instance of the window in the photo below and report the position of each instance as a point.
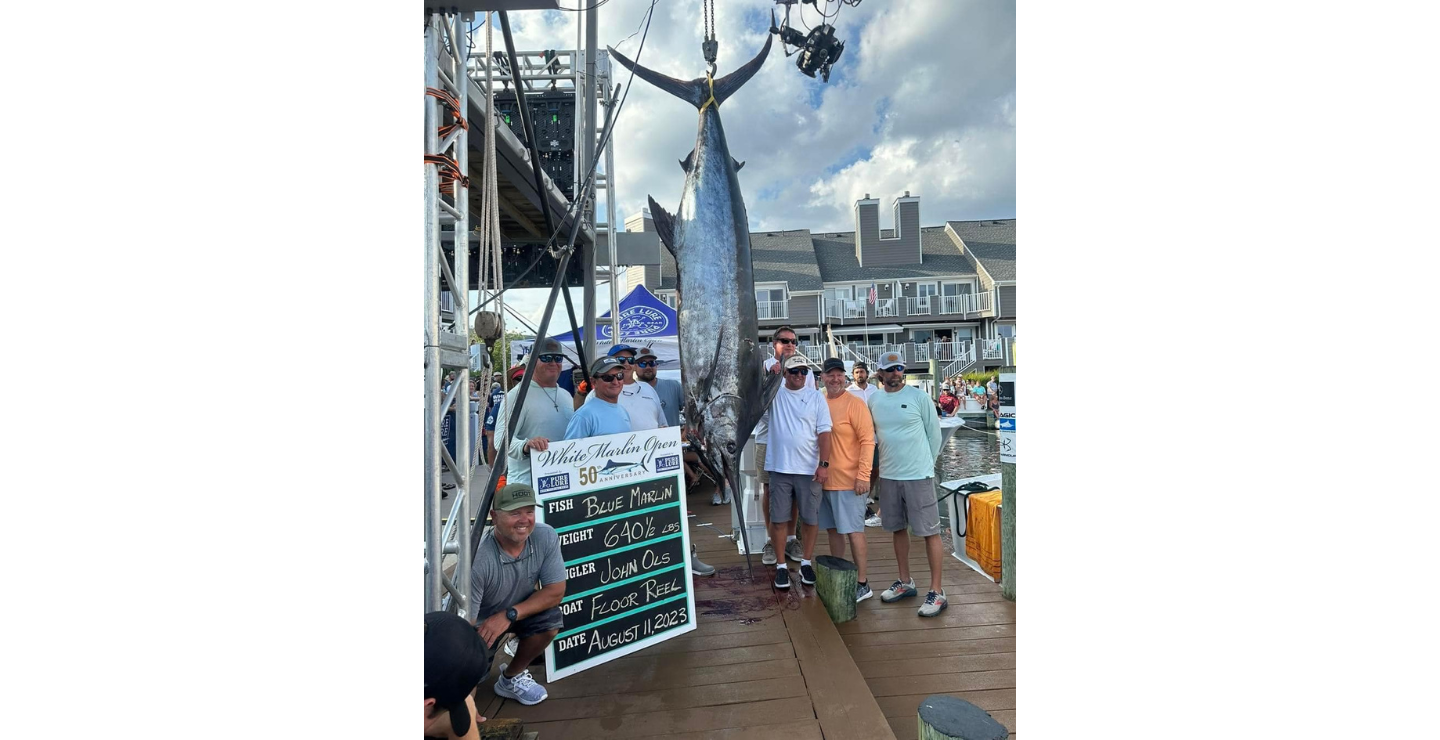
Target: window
(924, 289)
(846, 293)
(1005, 330)
(955, 288)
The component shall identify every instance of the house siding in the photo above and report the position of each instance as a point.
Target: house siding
(902, 249)
(803, 310)
(1007, 302)
(867, 228)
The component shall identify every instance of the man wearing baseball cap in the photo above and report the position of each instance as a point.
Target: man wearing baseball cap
(455, 663)
(547, 411)
(907, 431)
(639, 400)
(798, 460)
(852, 447)
(515, 556)
(602, 414)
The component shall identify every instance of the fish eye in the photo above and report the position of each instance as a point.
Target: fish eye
(730, 447)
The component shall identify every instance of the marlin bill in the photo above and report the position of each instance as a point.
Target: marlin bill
(721, 361)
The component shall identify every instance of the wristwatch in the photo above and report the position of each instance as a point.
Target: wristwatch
(512, 615)
(824, 463)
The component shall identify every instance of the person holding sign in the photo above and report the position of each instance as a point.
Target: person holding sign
(515, 557)
(602, 414)
(852, 441)
(798, 459)
(548, 408)
(639, 400)
(907, 430)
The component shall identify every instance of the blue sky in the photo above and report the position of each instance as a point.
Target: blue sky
(923, 99)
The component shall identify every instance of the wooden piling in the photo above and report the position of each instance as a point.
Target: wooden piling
(943, 717)
(835, 582)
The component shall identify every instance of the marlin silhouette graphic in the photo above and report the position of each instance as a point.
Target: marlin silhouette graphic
(616, 468)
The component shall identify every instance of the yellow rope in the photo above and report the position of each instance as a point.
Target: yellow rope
(711, 80)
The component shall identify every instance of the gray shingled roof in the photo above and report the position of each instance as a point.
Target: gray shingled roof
(836, 255)
(991, 243)
(787, 256)
(777, 256)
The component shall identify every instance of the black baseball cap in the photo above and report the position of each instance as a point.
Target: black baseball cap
(834, 363)
(455, 663)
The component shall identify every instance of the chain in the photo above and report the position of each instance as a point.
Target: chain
(711, 46)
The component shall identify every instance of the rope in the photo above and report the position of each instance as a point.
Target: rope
(710, 79)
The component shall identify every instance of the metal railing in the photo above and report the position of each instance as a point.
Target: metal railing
(917, 306)
(991, 349)
(772, 309)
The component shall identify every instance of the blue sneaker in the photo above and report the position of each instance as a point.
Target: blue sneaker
(521, 688)
(863, 592)
(782, 578)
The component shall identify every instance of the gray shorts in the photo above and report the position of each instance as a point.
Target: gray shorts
(787, 489)
(910, 502)
(842, 511)
(760, 470)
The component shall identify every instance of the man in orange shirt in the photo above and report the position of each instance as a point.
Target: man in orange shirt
(852, 448)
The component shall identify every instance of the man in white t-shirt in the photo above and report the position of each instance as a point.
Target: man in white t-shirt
(798, 460)
(638, 399)
(783, 342)
(862, 387)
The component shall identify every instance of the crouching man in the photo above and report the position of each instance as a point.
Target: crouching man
(517, 581)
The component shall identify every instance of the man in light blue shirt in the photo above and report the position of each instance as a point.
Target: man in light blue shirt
(604, 415)
(907, 432)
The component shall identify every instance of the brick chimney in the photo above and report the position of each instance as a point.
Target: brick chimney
(900, 248)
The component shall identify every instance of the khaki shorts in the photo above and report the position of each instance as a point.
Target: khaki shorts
(910, 502)
(788, 491)
(760, 464)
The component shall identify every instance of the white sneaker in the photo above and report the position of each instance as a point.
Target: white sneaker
(934, 604)
(873, 521)
(511, 645)
(521, 688)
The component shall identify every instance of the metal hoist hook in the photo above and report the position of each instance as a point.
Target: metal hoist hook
(710, 47)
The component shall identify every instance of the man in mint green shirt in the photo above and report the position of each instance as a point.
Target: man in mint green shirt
(907, 433)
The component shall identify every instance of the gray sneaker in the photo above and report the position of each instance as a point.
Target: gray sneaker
(898, 591)
(768, 556)
(863, 592)
(521, 688)
(934, 604)
(794, 550)
(699, 567)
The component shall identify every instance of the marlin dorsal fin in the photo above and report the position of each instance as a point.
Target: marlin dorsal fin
(664, 226)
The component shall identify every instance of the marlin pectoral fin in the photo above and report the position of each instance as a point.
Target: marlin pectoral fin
(664, 226)
(714, 362)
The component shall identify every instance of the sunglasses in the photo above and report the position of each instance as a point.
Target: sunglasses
(785, 341)
(552, 358)
(625, 360)
(799, 371)
(611, 378)
(896, 369)
(645, 363)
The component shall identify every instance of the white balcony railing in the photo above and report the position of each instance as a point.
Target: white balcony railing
(917, 306)
(951, 304)
(885, 307)
(772, 309)
(991, 349)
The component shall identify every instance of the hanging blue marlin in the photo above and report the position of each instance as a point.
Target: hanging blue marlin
(721, 360)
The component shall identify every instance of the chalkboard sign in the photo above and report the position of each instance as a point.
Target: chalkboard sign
(618, 504)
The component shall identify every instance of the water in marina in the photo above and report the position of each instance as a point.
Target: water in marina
(967, 454)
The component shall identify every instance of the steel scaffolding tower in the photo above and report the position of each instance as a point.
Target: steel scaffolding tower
(447, 331)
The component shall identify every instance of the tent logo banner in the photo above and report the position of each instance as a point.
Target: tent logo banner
(639, 321)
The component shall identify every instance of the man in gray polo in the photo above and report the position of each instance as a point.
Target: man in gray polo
(517, 581)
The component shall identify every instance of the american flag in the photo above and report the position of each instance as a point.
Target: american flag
(873, 295)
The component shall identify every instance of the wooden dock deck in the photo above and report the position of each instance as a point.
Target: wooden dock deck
(766, 664)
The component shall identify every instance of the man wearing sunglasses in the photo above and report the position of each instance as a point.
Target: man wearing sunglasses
(639, 400)
(798, 460)
(547, 411)
(907, 431)
(603, 413)
(783, 343)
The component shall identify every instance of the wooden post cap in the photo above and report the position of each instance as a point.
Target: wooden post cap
(834, 563)
(947, 718)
